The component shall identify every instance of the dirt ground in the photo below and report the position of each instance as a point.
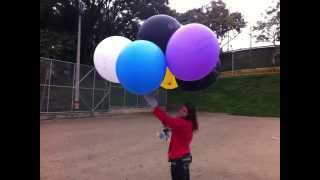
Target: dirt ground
(126, 147)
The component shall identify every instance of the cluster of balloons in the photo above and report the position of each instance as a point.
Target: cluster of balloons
(165, 54)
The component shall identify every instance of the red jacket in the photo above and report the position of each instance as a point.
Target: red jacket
(181, 134)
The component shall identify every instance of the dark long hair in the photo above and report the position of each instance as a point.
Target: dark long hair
(192, 116)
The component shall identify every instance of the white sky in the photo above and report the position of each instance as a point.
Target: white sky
(251, 10)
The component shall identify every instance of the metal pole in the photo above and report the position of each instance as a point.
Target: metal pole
(228, 42)
(250, 59)
(166, 97)
(109, 100)
(137, 105)
(76, 101)
(228, 32)
(232, 61)
(124, 97)
(49, 83)
(73, 83)
(250, 38)
(94, 85)
(44, 89)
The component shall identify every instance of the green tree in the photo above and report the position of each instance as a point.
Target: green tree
(55, 41)
(101, 18)
(57, 45)
(269, 28)
(216, 16)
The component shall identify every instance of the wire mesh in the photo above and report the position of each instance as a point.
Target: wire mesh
(57, 89)
(250, 58)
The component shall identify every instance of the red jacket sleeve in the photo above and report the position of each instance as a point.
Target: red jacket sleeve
(173, 123)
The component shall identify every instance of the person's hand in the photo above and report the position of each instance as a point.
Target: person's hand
(151, 100)
(164, 134)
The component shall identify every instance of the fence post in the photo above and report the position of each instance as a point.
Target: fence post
(73, 83)
(158, 94)
(49, 85)
(250, 55)
(44, 90)
(124, 97)
(137, 105)
(109, 100)
(94, 85)
(166, 98)
(232, 63)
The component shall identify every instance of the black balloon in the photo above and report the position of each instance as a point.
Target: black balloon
(199, 84)
(158, 29)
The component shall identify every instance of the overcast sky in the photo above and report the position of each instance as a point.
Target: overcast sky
(251, 10)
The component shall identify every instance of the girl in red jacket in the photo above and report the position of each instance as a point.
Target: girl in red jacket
(182, 128)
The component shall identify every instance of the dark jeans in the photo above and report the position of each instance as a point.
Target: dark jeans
(180, 168)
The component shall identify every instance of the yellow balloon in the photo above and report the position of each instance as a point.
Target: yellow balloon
(169, 81)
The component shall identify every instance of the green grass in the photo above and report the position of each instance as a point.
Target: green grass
(246, 95)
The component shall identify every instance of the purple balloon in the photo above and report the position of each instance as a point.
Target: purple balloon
(192, 52)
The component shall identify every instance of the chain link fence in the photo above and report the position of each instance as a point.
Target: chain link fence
(260, 57)
(57, 90)
(57, 82)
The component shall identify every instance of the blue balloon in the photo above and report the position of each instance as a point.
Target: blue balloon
(141, 67)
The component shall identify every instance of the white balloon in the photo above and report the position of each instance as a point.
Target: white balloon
(106, 55)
